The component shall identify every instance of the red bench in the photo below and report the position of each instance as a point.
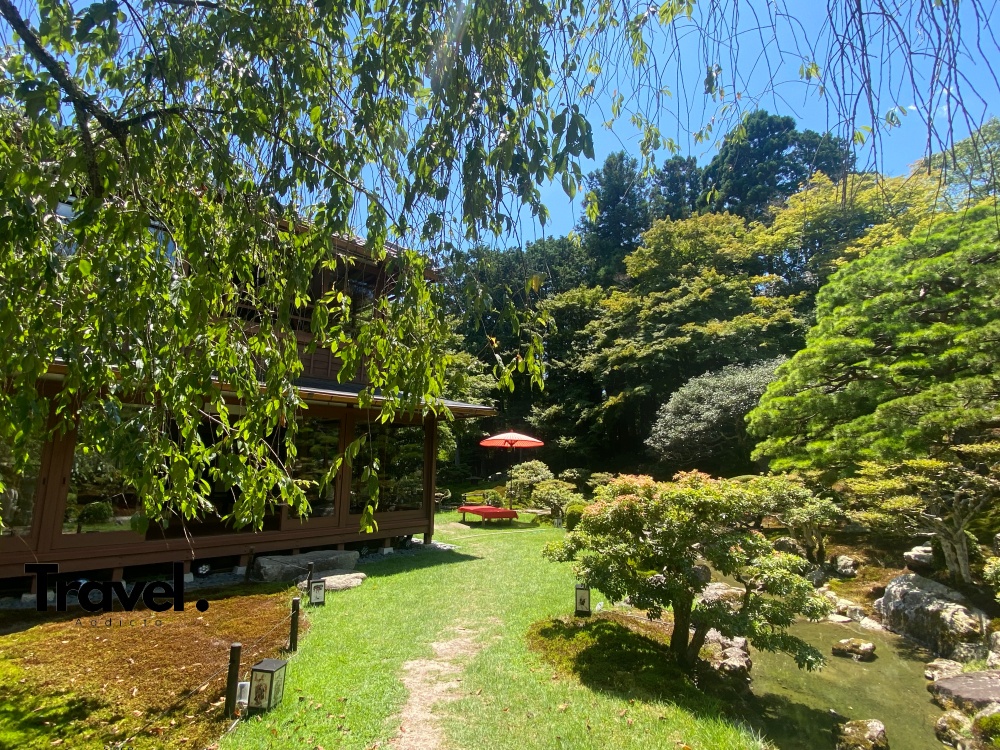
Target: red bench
(487, 512)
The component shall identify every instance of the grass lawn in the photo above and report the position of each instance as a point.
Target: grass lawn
(470, 648)
(450, 649)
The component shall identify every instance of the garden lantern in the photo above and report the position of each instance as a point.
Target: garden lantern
(582, 601)
(317, 592)
(267, 684)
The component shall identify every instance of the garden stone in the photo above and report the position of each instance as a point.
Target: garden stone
(993, 660)
(966, 652)
(714, 637)
(986, 723)
(968, 692)
(846, 566)
(736, 663)
(855, 648)
(817, 576)
(868, 623)
(971, 743)
(292, 567)
(789, 545)
(841, 619)
(337, 580)
(920, 558)
(855, 612)
(952, 727)
(933, 615)
(941, 668)
(867, 734)
(716, 592)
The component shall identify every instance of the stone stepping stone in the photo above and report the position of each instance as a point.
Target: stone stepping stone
(968, 692)
(337, 580)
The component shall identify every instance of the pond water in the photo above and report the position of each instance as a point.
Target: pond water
(795, 705)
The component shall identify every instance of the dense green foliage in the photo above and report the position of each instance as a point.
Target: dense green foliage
(172, 174)
(704, 421)
(556, 496)
(649, 542)
(524, 477)
(931, 495)
(903, 358)
(764, 161)
(700, 292)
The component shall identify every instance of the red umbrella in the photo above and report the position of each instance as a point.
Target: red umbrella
(511, 440)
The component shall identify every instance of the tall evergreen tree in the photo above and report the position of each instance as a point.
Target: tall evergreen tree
(903, 359)
(675, 189)
(766, 159)
(622, 216)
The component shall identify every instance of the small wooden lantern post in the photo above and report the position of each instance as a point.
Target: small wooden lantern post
(267, 684)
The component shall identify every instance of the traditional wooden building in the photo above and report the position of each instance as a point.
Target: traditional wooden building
(45, 510)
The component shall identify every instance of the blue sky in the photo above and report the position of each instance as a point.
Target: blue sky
(762, 58)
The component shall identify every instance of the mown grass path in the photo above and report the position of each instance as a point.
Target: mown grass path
(346, 684)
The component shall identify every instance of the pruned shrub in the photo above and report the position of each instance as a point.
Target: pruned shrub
(524, 477)
(554, 495)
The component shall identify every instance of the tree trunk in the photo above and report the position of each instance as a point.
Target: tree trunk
(697, 641)
(962, 556)
(682, 626)
(950, 556)
(820, 548)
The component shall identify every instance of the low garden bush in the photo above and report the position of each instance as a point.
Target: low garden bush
(574, 511)
(555, 495)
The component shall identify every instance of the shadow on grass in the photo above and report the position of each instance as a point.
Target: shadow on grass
(606, 654)
(393, 564)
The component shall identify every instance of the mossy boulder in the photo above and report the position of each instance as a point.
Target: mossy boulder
(986, 724)
(866, 734)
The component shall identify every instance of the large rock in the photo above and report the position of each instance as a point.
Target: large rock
(855, 648)
(867, 734)
(920, 558)
(293, 567)
(941, 668)
(952, 728)
(736, 663)
(847, 566)
(337, 580)
(933, 615)
(969, 692)
(721, 592)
